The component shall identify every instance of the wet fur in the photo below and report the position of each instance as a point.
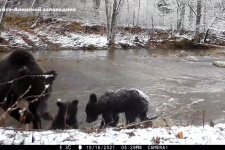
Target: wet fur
(129, 101)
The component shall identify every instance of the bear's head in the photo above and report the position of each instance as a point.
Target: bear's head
(66, 117)
(92, 109)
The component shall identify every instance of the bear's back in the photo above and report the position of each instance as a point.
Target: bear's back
(123, 99)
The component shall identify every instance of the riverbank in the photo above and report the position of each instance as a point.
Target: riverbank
(47, 33)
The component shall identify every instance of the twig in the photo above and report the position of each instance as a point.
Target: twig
(188, 105)
(16, 102)
(203, 121)
(171, 130)
(35, 23)
(11, 81)
(5, 99)
(191, 8)
(138, 123)
(212, 24)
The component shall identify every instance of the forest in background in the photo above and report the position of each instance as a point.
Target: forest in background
(198, 19)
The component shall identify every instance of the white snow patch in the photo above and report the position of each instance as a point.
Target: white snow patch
(13, 39)
(192, 58)
(219, 64)
(47, 76)
(142, 94)
(33, 38)
(191, 135)
(46, 86)
(76, 39)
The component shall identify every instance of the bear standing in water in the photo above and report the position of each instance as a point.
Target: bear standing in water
(66, 117)
(21, 74)
(131, 101)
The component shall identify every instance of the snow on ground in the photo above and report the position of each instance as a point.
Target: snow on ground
(76, 39)
(191, 135)
(69, 40)
(13, 39)
(32, 37)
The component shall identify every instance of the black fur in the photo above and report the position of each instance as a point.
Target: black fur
(21, 63)
(66, 117)
(131, 101)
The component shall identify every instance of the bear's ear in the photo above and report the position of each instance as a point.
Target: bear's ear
(75, 102)
(93, 98)
(59, 104)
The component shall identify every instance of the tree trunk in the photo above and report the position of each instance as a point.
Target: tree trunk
(128, 11)
(198, 21)
(97, 4)
(139, 5)
(107, 18)
(181, 17)
(204, 18)
(191, 14)
(113, 18)
(3, 16)
(113, 24)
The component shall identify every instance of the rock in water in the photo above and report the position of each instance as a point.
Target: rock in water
(219, 64)
(192, 58)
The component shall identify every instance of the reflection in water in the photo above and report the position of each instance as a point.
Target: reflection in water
(111, 54)
(107, 54)
(71, 55)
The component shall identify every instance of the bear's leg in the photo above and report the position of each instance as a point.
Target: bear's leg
(107, 120)
(130, 117)
(115, 119)
(143, 117)
(37, 119)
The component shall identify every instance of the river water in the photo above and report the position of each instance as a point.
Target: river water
(182, 88)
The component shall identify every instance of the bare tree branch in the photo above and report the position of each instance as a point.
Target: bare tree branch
(11, 81)
(32, 5)
(191, 8)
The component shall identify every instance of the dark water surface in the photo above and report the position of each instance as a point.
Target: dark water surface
(179, 87)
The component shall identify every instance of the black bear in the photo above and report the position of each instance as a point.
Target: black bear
(21, 77)
(131, 101)
(66, 117)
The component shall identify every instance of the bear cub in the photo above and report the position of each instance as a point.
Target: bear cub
(133, 102)
(66, 117)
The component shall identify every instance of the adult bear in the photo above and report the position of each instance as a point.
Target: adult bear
(131, 101)
(21, 77)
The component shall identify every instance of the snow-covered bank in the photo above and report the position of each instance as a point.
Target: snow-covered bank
(187, 135)
(45, 39)
(56, 34)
